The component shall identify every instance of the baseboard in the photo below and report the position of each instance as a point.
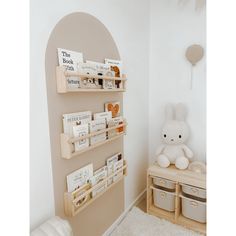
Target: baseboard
(139, 198)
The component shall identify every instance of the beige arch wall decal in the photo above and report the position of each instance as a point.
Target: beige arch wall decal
(83, 33)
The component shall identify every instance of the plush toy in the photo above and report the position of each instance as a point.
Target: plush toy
(175, 132)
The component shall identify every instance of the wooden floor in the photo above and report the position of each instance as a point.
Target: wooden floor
(142, 205)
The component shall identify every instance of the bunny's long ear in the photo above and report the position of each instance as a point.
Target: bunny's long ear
(180, 112)
(169, 112)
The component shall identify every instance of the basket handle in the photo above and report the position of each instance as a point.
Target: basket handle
(194, 204)
(194, 190)
(162, 194)
(162, 181)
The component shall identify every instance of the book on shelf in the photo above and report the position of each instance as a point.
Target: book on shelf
(104, 70)
(89, 69)
(115, 122)
(116, 167)
(98, 176)
(79, 177)
(72, 119)
(101, 68)
(110, 162)
(97, 125)
(107, 115)
(113, 107)
(117, 67)
(70, 60)
(80, 131)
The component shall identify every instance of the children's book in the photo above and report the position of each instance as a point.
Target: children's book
(110, 165)
(96, 125)
(104, 70)
(103, 115)
(89, 69)
(116, 167)
(115, 122)
(79, 177)
(98, 176)
(114, 107)
(72, 119)
(80, 131)
(70, 60)
(117, 67)
(101, 68)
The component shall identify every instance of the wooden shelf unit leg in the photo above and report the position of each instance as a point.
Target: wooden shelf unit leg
(177, 201)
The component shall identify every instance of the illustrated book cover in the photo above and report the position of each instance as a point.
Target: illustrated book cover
(80, 131)
(114, 108)
(97, 125)
(70, 60)
(72, 119)
(79, 177)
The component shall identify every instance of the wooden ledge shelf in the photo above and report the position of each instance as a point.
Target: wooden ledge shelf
(67, 143)
(79, 199)
(62, 74)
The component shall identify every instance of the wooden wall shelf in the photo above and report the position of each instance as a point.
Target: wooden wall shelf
(178, 177)
(67, 143)
(62, 74)
(83, 195)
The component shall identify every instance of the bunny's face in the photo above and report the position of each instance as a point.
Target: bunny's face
(175, 132)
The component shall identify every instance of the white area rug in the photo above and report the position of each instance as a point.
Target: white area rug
(138, 223)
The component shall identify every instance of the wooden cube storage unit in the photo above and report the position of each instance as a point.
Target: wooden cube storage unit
(179, 178)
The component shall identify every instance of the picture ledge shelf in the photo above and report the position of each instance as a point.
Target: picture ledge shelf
(79, 199)
(67, 142)
(62, 74)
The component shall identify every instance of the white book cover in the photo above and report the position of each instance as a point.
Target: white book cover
(101, 68)
(117, 67)
(98, 176)
(109, 84)
(87, 68)
(80, 131)
(114, 158)
(110, 165)
(73, 119)
(103, 115)
(79, 177)
(97, 125)
(70, 60)
(115, 122)
(117, 166)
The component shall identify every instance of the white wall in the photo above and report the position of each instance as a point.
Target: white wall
(128, 24)
(173, 28)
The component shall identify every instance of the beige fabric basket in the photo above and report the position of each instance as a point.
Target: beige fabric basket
(164, 199)
(164, 183)
(194, 209)
(194, 191)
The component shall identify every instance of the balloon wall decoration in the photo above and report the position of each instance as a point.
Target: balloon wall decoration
(194, 54)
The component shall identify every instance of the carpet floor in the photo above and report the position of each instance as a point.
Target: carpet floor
(139, 223)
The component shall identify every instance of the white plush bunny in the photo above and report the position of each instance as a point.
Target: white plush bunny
(174, 134)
